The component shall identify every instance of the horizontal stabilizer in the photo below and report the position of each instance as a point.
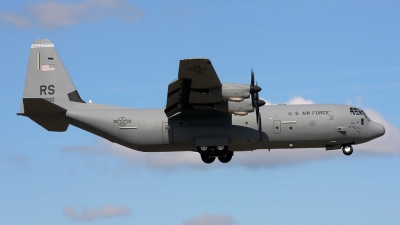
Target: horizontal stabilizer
(41, 106)
(46, 114)
(54, 124)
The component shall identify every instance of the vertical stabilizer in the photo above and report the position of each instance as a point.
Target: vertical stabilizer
(49, 91)
(47, 78)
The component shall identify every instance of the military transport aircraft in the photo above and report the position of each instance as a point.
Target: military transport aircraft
(201, 114)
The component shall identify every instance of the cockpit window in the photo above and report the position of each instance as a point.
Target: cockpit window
(356, 111)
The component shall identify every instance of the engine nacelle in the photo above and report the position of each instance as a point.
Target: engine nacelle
(232, 92)
(238, 108)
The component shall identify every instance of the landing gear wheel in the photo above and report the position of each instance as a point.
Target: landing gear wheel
(207, 159)
(226, 157)
(203, 149)
(221, 149)
(347, 149)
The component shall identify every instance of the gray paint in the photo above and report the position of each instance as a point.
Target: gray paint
(48, 101)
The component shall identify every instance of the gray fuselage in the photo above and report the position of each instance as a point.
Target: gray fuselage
(283, 126)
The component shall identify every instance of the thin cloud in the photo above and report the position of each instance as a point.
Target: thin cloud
(92, 214)
(299, 101)
(163, 160)
(293, 101)
(15, 19)
(211, 219)
(18, 161)
(387, 144)
(53, 14)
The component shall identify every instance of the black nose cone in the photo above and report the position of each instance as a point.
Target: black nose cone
(261, 102)
(255, 89)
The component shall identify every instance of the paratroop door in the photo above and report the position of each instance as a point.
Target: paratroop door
(167, 132)
(277, 126)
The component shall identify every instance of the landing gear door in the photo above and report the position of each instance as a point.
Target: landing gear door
(277, 126)
(167, 132)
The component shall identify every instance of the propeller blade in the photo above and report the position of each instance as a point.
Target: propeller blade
(259, 102)
(256, 88)
(253, 102)
(252, 77)
(259, 126)
(257, 113)
(257, 106)
(256, 97)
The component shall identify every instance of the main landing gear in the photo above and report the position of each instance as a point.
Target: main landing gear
(347, 149)
(209, 153)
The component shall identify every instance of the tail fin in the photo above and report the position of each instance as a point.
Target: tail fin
(48, 90)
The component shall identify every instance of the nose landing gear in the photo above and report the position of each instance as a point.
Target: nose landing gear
(347, 149)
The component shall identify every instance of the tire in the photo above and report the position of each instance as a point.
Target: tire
(207, 159)
(347, 149)
(226, 157)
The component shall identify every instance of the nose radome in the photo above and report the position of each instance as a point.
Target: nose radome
(375, 130)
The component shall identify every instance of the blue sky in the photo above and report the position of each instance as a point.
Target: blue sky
(127, 52)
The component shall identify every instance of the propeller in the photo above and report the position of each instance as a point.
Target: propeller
(257, 106)
(259, 127)
(256, 88)
(255, 101)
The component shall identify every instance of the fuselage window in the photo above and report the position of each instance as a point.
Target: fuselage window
(362, 121)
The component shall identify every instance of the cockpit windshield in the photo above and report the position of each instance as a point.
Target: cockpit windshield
(357, 111)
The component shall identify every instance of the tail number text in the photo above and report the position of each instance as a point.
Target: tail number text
(47, 90)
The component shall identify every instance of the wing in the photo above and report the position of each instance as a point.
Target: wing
(200, 72)
(191, 90)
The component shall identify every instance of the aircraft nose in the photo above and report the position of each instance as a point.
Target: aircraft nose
(375, 130)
